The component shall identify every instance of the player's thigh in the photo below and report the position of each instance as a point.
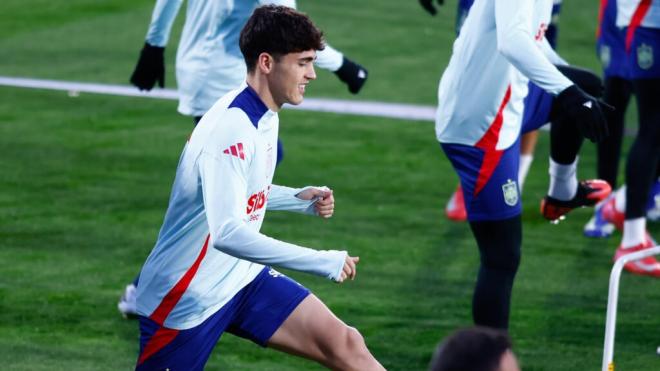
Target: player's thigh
(311, 330)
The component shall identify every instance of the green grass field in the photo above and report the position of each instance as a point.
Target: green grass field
(85, 183)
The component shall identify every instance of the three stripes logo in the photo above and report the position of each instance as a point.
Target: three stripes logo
(235, 150)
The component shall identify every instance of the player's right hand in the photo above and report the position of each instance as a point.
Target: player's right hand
(428, 5)
(586, 112)
(350, 268)
(150, 68)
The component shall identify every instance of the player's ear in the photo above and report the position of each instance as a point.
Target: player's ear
(265, 63)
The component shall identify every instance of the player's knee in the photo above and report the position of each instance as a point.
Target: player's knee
(506, 258)
(499, 242)
(349, 350)
(355, 341)
(351, 343)
(501, 251)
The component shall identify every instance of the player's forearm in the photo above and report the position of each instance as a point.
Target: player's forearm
(552, 55)
(284, 198)
(539, 70)
(515, 41)
(237, 239)
(162, 19)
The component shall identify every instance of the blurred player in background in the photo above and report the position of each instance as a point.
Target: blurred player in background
(484, 106)
(208, 273)
(209, 63)
(640, 21)
(455, 208)
(618, 89)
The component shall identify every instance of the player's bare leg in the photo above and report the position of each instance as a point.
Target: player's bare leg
(313, 331)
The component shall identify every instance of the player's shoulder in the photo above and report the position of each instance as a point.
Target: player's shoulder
(247, 103)
(236, 109)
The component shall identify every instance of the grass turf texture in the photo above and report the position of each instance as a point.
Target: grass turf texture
(85, 183)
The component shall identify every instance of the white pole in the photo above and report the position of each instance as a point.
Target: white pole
(612, 299)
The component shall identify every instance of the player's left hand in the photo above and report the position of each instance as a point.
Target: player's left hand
(586, 112)
(349, 271)
(429, 7)
(150, 68)
(325, 201)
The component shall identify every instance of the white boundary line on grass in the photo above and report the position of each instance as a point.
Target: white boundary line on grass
(365, 108)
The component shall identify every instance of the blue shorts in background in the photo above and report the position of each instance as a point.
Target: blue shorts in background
(644, 54)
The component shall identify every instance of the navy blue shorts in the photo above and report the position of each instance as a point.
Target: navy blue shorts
(644, 54)
(611, 49)
(255, 313)
(538, 105)
(489, 179)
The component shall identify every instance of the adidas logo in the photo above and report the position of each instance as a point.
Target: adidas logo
(362, 74)
(235, 150)
(587, 104)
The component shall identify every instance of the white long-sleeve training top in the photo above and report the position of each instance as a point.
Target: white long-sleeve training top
(500, 48)
(209, 246)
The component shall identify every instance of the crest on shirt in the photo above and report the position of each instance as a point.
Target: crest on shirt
(510, 190)
(645, 56)
(605, 55)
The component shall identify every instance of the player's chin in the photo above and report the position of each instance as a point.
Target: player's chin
(296, 99)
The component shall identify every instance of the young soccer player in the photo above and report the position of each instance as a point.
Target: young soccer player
(209, 64)
(455, 208)
(208, 273)
(483, 103)
(618, 90)
(640, 21)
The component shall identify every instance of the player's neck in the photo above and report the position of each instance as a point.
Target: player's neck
(260, 85)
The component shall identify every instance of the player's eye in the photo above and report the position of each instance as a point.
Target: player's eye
(304, 62)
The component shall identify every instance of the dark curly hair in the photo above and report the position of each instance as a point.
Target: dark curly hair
(278, 30)
(475, 349)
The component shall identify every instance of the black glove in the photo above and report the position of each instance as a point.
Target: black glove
(586, 111)
(586, 79)
(150, 68)
(428, 5)
(352, 74)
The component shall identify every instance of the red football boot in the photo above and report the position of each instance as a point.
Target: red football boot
(589, 193)
(648, 266)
